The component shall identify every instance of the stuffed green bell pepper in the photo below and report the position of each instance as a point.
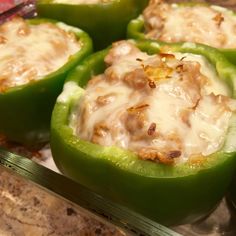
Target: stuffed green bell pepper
(149, 127)
(35, 57)
(187, 22)
(104, 20)
(232, 193)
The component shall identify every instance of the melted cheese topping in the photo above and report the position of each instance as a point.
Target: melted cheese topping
(29, 52)
(213, 25)
(167, 108)
(82, 1)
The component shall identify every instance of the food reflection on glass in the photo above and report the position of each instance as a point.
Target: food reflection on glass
(35, 57)
(154, 131)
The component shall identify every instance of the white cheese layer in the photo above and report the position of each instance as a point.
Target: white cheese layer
(167, 107)
(29, 52)
(200, 24)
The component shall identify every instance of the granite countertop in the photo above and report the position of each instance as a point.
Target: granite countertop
(26, 210)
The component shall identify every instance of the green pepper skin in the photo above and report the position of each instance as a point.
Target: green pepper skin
(135, 30)
(26, 109)
(167, 194)
(104, 22)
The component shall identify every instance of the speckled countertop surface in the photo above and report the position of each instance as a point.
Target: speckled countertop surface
(26, 210)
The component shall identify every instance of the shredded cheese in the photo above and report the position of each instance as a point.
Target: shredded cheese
(167, 108)
(82, 1)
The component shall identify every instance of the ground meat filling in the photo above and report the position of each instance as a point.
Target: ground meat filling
(29, 52)
(159, 106)
(200, 24)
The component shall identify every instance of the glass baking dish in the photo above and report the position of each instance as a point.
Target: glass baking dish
(19, 172)
(37, 171)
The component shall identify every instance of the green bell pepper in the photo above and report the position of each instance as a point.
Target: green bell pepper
(168, 194)
(136, 30)
(26, 109)
(104, 22)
